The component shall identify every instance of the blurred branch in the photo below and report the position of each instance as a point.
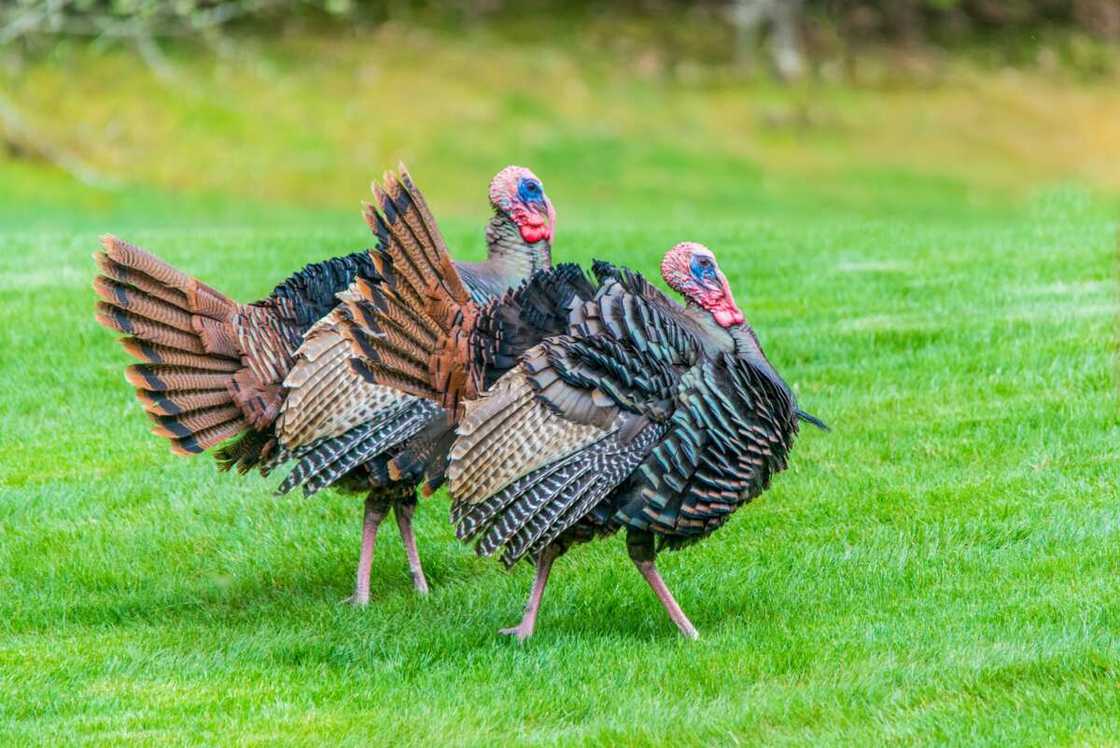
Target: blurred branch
(783, 18)
(144, 18)
(790, 31)
(140, 22)
(150, 52)
(21, 24)
(19, 137)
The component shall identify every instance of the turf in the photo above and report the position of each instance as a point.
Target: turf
(941, 568)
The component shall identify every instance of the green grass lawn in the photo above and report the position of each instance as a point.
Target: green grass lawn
(943, 567)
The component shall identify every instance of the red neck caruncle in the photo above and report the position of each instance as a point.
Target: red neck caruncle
(533, 225)
(720, 302)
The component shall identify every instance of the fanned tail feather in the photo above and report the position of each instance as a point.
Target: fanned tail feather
(409, 331)
(178, 328)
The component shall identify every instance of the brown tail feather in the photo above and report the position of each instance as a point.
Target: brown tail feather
(161, 378)
(410, 238)
(185, 336)
(198, 443)
(195, 421)
(202, 298)
(142, 304)
(182, 401)
(148, 285)
(151, 353)
(116, 318)
(410, 332)
(405, 340)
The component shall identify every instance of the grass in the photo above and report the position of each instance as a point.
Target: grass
(941, 568)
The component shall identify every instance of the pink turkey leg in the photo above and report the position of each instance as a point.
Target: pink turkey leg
(524, 629)
(404, 514)
(375, 511)
(648, 570)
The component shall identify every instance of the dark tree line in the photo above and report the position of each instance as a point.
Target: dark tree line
(903, 21)
(918, 20)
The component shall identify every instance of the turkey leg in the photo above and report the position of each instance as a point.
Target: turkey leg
(524, 629)
(375, 510)
(642, 553)
(404, 512)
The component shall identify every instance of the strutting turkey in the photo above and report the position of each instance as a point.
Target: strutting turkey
(645, 414)
(275, 373)
(426, 305)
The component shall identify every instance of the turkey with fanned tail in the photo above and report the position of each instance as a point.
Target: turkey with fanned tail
(271, 382)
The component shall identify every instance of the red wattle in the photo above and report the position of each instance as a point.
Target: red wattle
(727, 316)
(723, 306)
(533, 234)
(533, 226)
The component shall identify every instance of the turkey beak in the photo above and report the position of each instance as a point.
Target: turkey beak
(541, 206)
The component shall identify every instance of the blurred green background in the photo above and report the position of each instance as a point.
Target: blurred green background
(916, 203)
(268, 101)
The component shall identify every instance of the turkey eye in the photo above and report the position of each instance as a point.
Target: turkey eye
(529, 191)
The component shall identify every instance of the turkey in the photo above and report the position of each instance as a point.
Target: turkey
(274, 374)
(644, 414)
(426, 309)
(345, 431)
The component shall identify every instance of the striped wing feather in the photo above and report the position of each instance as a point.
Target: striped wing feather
(557, 435)
(507, 434)
(732, 429)
(325, 396)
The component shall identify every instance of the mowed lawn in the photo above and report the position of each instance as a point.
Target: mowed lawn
(943, 567)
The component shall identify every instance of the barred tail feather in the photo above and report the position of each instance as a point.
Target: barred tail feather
(181, 401)
(407, 331)
(169, 318)
(153, 353)
(253, 449)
